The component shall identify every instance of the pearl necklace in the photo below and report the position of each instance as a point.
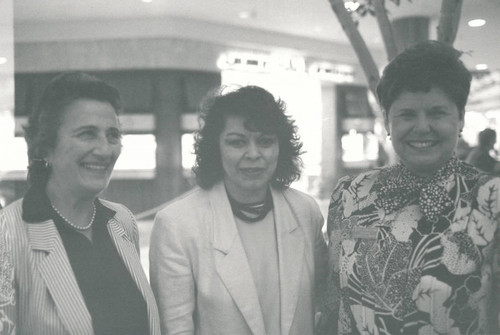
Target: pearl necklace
(71, 223)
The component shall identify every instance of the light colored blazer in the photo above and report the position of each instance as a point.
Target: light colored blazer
(200, 273)
(38, 290)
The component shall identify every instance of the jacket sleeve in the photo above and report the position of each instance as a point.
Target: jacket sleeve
(171, 276)
(320, 255)
(135, 231)
(496, 275)
(8, 308)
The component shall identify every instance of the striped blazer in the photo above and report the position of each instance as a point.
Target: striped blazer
(39, 293)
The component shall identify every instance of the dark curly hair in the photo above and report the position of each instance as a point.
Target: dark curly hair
(44, 122)
(262, 113)
(423, 66)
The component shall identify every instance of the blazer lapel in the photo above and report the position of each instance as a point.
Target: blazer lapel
(231, 261)
(56, 271)
(128, 253)
(290, 240)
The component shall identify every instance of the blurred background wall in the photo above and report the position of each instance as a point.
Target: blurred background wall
(164, 57)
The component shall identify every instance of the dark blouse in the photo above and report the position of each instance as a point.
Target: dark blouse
(111, 295)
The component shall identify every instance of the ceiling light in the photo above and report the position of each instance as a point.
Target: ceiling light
(246, 14)
(481, 67)
(351, 5)
(3, 60)
(147, 1)
(477, 23)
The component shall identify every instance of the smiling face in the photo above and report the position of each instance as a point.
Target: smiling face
(424, 128)
(88, 145)
(249, 159)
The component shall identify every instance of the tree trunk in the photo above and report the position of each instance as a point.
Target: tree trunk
(364, 56)
(386, 31)
(410, 30)
(448, 21)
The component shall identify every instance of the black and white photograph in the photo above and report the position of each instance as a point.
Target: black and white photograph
(249, 167)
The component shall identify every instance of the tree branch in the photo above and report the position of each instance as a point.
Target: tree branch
(385, 27)
(364, 56)
(448, 22)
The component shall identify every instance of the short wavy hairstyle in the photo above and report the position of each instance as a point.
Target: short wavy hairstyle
(423, 66)
(486, 137)
(262, 113)
(44, 122)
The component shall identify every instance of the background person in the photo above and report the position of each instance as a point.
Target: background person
(463, 149)
(480, 155)
(70, 261)
(414, 248)
(242, 253)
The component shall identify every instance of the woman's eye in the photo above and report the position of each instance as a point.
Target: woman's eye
(87, 134)
(406, 114)
(439, 113)
(115, 137)
(266, 142)
(236, 143)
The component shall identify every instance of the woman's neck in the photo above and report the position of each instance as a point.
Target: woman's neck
(438, 172)
(244, 196)
(75, 208)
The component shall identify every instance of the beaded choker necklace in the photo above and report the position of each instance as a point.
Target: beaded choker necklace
(251, 212)
(81, 228)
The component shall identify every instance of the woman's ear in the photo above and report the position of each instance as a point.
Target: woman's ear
(461, 116)
(386, 122)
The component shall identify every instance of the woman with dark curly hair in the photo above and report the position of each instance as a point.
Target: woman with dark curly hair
(242, 253)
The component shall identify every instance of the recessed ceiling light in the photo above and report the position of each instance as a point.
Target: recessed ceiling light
(351, 5)
(3, 60)
(147, 1)
(246, 14)
(481, 67)
(477, 23)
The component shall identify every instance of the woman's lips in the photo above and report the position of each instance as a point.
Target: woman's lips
(421, 144)
(252, 171)
(95, 167)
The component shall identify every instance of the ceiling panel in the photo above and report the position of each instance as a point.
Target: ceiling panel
(306, 18)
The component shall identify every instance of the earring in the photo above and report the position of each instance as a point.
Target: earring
(40, 162)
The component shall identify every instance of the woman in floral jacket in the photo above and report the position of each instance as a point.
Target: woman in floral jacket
(414, 247)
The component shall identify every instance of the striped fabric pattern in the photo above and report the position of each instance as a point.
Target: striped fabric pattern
(38, 291)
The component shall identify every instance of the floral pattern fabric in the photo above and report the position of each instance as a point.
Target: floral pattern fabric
(7, 296)
(414, 256)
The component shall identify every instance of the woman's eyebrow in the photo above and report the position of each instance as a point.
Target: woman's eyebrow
(84, 127)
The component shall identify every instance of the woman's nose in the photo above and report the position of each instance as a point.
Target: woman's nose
(252, 150)
(423, 123)
(103, 147)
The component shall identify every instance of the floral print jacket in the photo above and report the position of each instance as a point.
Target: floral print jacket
(414, 256)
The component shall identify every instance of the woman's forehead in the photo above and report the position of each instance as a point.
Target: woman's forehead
(84, 112)
(250, 124)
